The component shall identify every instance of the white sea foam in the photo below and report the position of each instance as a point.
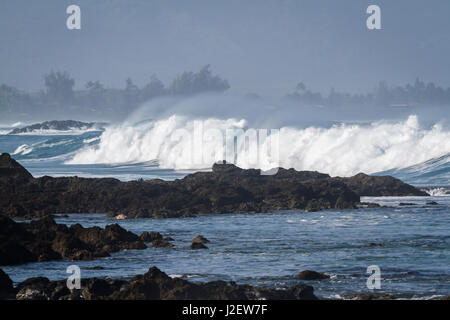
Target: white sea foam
(338, 150)
(23, 150)
(438, 192)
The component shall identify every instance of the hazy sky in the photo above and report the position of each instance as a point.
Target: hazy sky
(260, 46)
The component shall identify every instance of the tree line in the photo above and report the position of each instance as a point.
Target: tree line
(383, 95)
(60, 94)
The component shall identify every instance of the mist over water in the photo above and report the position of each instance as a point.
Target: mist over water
(341, 148)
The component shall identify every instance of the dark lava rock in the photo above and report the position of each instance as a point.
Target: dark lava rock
(200, 239)
(312, 275)
(227, 189)
(60, 125)
(298, 292)
(153, 285)
(368, 205)
(370, 296)
(150, 236)
(374, 244)
(378, 186)
(197, 245)
(162, 244)
(45, 240)
(95, 268)
(6, 286)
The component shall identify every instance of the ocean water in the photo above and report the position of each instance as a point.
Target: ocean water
(270, 249)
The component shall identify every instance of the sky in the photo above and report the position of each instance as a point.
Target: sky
(259, 46)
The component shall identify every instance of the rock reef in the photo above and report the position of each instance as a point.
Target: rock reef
(153, 285)
(227, 189)
(45, 240)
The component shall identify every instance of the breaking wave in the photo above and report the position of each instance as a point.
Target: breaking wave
(343, 149)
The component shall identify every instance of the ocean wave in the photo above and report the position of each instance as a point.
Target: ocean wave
(338, 150)
(52, 132)
(23, 149)
(438, 192)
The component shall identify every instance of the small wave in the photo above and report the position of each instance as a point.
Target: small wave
(24, 149)
(52, 132)
(87, 141)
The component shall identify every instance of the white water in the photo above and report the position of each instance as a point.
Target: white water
(339, 150)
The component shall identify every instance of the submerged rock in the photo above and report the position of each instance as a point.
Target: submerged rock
(159, 243)
(312, 275)
(374, 244)
(197, 245)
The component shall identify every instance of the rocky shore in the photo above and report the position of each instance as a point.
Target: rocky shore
(45, 240)
(227, 189)
(153, 285)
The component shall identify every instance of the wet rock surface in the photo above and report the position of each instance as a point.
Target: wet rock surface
(44, 240)
(312, 275)
(380, 186)
(227, 189)
(370, 296)
(153, 285)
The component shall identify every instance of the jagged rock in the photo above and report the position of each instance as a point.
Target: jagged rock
(227, 189)
(312, 275)
(39, 288)
(159, 243)
(150, 236)
(45, 240)
(200, 239)
(374, 244)
(153, 285)
(6, 286)
(11, 170)
(378, 186)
